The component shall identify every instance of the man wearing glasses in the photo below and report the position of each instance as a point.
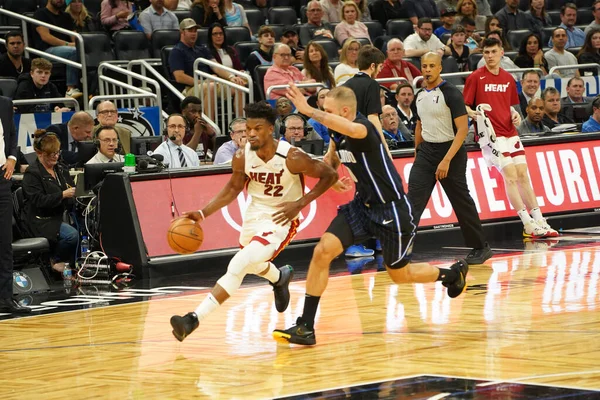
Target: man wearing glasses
(316, 27)
(424, 41)
(78, 129)
(282, 72)
(237, 131)
(107, 115)
(175, 153)
(108, 145)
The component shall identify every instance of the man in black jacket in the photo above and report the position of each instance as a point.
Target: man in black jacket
(8, 159)
(78, 129)
(37, 85)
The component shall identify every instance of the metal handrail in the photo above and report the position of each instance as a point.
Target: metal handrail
(79, 39)
(128, 86)
(299, 85)
(576, 66)
(121, 96)
(48, 100)
(147, 67)
(393, 79)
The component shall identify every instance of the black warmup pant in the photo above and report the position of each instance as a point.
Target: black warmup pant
(422, 181)
(6, 254)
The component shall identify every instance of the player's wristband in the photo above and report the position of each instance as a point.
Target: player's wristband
(202, 214)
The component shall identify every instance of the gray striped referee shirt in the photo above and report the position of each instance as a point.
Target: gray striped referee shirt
(436, 109)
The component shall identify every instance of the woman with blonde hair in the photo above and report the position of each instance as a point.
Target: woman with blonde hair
(468, 8)
(348, 66)
(80, 15)
(350, 25)
(316, 65)
(208, 12)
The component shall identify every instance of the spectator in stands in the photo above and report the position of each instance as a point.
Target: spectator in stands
(315, 28)
(264, 54)
(347, 67)
(59, 44)
(48, 191)
(538, 17)
(227, 56)
(37, 85)
(175, 154)
(297, 129)
(107, 115)
(448, 17)
(530, 85)
(558, 56)
(493, 25)
(472, 38)
(208, 12)
(590, 52)
(84, 22)
(291, 38)
(365, 14)
(157, 17)
(283, 72)
(468, 9)
(237, 131)
(13, 63)
(394, 66)
(595, 24)
(568, 18)
(405, 94)
(533, 123)
(108, 146)
(351, 25)
(78, 129)
(316, 65)
(385, 10)
(511, 18)
(321, 129)
(458, 49)
(593, 123)
(552, 108)
(423, 41)
(236, 15)
(531, 54)
(575, 90)
(197, 130)
(393, 130)
(114, 14)
(417, 9)
(332, 10)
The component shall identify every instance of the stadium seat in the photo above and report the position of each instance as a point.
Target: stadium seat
(202, 36)
(436, 22)
(516, 37)
(8, 87)
(93, 6)
(400, 28)
(19, 7)
(511, 54)
(363, 41)
(524, 5)
(236, 34)
(303, 17)
(416, 61)
(161, 38)
(584, 16)
(547, 35)
(375, 29)
(474, 60)
(282, 3)
(278, 29)
(282, 15)
(554, 17)
(98, 48)
(449, 66)
(331, 48)
(131, 45)
(574, 50)
(244, 49)
(584, 3)
(259, 79)
(256, 19)
(182, 14)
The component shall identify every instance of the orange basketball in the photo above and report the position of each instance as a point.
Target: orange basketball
(185, 236)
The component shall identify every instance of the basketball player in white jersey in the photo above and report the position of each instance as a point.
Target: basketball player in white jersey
(273, 173)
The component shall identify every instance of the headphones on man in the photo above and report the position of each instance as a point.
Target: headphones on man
(97, 141)
(305, 126)
(37, 142)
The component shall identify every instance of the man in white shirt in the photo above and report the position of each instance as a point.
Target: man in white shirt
(175, 154)
(423, 41)
(107, 141)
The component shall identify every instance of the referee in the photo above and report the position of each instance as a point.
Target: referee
(442, 125)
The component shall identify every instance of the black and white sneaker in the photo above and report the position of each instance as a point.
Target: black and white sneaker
(281, 288)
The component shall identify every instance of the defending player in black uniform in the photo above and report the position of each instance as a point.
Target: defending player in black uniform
(379, 209)
(442, 125)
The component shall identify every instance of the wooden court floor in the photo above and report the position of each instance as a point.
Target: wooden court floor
(532, 317)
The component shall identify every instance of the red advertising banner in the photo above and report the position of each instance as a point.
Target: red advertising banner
(564, 176)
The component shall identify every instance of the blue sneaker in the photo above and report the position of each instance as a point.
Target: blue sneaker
(358, 250)
(356, 265)
(377, 245)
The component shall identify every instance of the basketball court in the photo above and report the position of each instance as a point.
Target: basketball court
(528, 327)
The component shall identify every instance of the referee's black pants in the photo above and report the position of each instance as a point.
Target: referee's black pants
(422, 181)
(6, 253)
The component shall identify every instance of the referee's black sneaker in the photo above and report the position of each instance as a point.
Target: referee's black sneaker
(297, 334)
(281, 288)
(479, 256)
(183, 326)
(459, 285)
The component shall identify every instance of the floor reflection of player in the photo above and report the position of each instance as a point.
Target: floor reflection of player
(273, 173)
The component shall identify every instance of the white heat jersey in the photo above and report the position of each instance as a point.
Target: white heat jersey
(270, 183)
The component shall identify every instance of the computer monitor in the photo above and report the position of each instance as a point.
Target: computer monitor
(141, 145)
(95, 173)
(311, 146)
(85, 151)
